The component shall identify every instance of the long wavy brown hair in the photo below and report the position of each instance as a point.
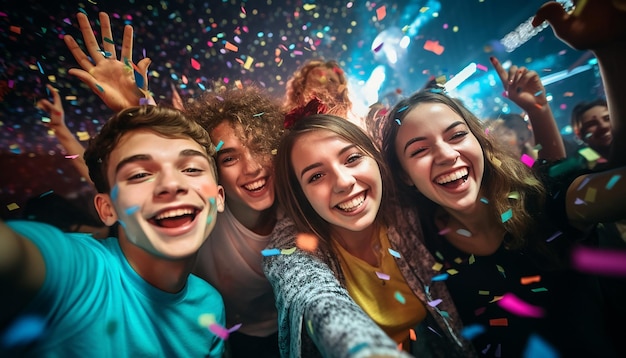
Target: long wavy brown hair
(503, 172)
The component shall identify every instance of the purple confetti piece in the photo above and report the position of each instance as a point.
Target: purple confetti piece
(382, 276)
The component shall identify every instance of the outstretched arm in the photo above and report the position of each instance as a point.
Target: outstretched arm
(22, 272)
(57, 124)
(525, 89)
(599, 26)
(118, 82)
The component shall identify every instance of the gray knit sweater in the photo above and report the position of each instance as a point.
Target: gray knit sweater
(317, 317)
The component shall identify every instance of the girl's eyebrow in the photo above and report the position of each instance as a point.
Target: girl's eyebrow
(314, 165)
(417, 139)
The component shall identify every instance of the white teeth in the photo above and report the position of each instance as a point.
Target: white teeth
(174, 213)
(352, 204)
(447, 178)
(255, 185)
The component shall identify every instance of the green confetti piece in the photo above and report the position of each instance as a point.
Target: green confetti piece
(108, 40)
(540, 289)
(99, 88)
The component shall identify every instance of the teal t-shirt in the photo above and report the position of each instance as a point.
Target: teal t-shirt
(95, 305)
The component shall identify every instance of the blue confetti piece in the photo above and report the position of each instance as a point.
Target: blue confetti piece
(139, 79)
(441, 277)
(131, 210)
(23, 330)
(538, 93)
(40, 69)
(394, 253)
(115, 191)
(613, 181)
(123, 224)
(258, 114)
(357, 348)
(506, 215)
(219, 146)
(399, 297)
(537, 347)
(212, 200)
(99, 88)
(270, 252)
(472, 331)
(484, 200)
(209, 219)
(46, 193)
(403, 109)
(398, 121)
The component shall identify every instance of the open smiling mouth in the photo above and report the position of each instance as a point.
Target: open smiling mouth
(174, 218)
(256, 185)
(352, 204)
(455, 178)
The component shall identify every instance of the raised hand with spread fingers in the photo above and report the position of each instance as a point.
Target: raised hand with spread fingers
(57, 124)
(118, 82)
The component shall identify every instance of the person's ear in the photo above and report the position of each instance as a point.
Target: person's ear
(106, 210)
(219, 198)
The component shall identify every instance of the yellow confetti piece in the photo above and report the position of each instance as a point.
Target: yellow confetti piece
(438, 266)
(496, 299)
(308, 7)
(248, 63)
(496, 162)
(483, 293)
(13, 206)
(590, 195)
(288, 251)
(206, 319)
(472, 259)
(589, 154)
(452, 271)
(458, 260)
(310, 326)
(513, 195)
(83, 136)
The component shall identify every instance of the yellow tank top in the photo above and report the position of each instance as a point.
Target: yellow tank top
(382, 291)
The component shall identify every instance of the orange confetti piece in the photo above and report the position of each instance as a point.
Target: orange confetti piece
(381, 12)
(530, 279)
(16, 29)
(412, 334)
(500, 322)
(307, 242)
(434, 47)
(231, 47)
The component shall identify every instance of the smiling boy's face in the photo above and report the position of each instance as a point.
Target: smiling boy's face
(164, 193)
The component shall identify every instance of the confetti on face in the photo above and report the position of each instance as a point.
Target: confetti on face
(131, 210)
(219, 146)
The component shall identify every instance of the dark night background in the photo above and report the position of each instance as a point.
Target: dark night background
(275, 37)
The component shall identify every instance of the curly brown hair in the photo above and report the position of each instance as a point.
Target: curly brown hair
(168, 122)
(335, 97)
(256, 116)
(504, 173)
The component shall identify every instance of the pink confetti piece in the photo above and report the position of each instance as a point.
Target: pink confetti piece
(381, 12)
(434, 47)
(528, 160)
(481, 67)
(195, 64)
(383, 276)
(71, 156)
(219, 331)
(599, 261)
(445, 231)
(517, 306)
